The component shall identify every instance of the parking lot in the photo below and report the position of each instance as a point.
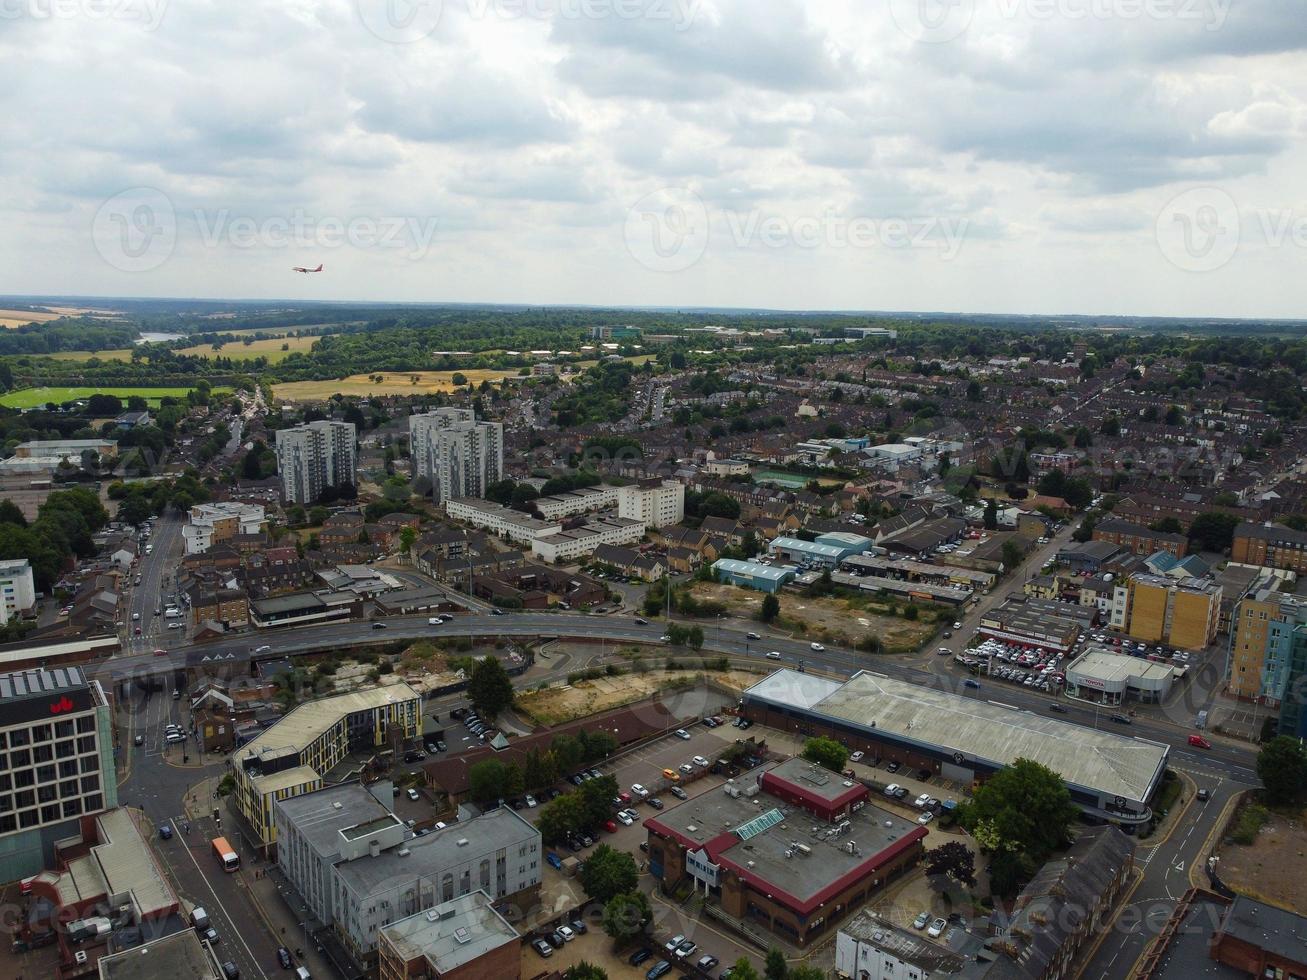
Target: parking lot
(645, 765)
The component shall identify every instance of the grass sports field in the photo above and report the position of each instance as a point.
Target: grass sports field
(36, 397)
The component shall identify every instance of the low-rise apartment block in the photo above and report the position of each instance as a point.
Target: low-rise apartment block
(1270, 545)
(1183, 614)
(573, 543)
(294, 756)
(503, 521)
(210, 524)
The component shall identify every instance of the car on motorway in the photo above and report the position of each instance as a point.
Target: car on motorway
(1198, 742)
(378, 626)
(681, 733)
(160, 653)
(165, 831)
(774, 655)
(1061, 710)
(816, 647)
(957, 625)
(139, 740)
(640, 621)
(496, 612)
(173, 737)
(921, 921)
(1204, 795)
(136, 617)
(1121, 720)
(753, 636)
(971, 683)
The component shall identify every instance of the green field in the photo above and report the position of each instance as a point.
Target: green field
(36, 397)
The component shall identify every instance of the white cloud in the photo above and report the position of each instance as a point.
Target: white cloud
(526, 129)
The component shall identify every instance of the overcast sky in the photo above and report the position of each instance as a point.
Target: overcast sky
(1079, 156)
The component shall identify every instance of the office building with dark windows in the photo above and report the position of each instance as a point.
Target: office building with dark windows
(56, 763)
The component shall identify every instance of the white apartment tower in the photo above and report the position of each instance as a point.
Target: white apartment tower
(17, 590)
(658, 503)
(315, 456)
(455, 453)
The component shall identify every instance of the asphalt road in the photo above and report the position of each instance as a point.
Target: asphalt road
(156, 574)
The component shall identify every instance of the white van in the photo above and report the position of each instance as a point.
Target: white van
(302, 973)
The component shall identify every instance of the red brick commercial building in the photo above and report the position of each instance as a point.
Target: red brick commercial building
(1261, 940)
(765, 863)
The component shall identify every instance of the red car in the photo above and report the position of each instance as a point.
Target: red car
(624, 796)
(610, 826)
(161, 653)
(1199, 742)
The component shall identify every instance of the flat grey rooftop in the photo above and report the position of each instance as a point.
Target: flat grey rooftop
(713, 818)
(452, 933)
(1100, 761)
(437, 851)
(320, 816)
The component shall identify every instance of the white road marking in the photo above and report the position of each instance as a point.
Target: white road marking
(253, 962)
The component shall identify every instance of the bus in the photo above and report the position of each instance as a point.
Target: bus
(226, 854)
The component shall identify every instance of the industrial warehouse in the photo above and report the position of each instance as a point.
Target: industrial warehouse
(1111, 777)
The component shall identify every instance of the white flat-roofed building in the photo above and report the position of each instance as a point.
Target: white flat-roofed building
(210, 524)
(1111, 777)
(1109, 678)
(503, 521)
(583, 540)
(71, 449)
(658, 503)
(571, 502)
(17, 589)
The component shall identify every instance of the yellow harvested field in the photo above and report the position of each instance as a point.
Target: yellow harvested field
(239, 350)
(21, 318)
(121, 354)
(394, 383)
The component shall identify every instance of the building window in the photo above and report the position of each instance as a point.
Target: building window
(85, 724)
(40, 733)
(63, 729)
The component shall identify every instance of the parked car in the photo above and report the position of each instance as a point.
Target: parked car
(638, 957)
(687, 948)
(856, 756)
(671, 944)
(578, 927)
(542, 948)
(639, 791)
(700, 761)
(937, 928)
(567, 933)
(654, 802)
(659, 969)
(921, 921)
(283, 958)
(681, 733)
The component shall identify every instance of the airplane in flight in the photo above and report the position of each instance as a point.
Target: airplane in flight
(300, 268)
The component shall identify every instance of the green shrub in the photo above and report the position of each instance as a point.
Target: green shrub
(1251, 819)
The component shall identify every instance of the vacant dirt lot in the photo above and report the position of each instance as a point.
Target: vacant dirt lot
(835, 620)
(1272, 869)
(558, 705)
